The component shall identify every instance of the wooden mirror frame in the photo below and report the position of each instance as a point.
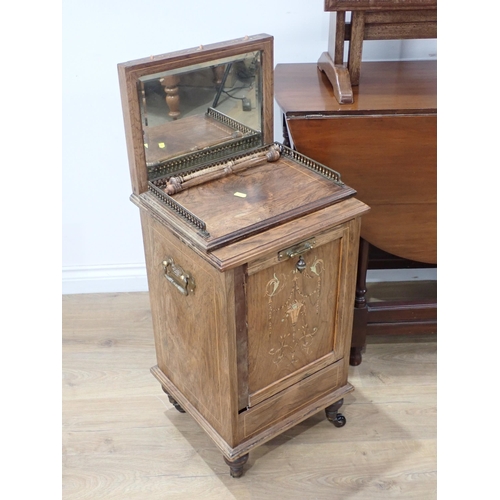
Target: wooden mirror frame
(130, 72)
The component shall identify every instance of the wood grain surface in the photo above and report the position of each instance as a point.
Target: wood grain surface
(391, 162)
(301, 88)
(343, 5)
(172, 139)
(192, 348)
(296, 324)
(255, 198)
(122, 439)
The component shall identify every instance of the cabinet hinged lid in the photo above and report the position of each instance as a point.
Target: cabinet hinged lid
(199, 127)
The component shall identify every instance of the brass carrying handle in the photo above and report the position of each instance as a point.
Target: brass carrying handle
(182, 280)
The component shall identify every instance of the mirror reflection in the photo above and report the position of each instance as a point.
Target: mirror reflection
(203, 106)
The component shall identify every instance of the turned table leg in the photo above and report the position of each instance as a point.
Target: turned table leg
(286, 137)
(171, 88)
(360, 310)
(236, 466)
(333, 415)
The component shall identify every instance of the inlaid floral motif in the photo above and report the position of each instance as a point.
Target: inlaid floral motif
(299, 310)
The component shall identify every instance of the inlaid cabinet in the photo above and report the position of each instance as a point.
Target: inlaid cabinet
(251, 248)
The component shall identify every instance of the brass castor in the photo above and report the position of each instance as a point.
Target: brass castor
(333, 415)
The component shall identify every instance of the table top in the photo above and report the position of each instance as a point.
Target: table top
(396, 86)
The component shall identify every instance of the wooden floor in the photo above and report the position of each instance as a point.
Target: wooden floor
(123, 440)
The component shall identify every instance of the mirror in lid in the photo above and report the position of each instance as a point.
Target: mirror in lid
(200, 108)
(196, 106)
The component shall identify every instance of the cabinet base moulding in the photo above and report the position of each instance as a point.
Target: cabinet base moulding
(262, 437)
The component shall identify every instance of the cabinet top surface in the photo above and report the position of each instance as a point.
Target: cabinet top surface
(236, 198)
(396, 86)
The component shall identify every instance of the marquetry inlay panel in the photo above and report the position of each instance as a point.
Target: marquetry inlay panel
(292, 314)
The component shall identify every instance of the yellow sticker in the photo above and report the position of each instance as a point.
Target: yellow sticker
(240, 195)
(145, 145)
(161, 145)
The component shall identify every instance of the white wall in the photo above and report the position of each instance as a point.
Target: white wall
(101, 237)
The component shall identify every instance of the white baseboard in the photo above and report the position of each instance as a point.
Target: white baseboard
(132, 278)
(104, 279)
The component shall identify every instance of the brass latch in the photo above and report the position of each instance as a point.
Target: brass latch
(298, 249)
(181, 279)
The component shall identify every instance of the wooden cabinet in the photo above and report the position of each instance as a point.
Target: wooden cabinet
(251, 258)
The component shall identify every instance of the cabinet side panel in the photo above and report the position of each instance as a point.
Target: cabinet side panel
(147, 237)
(190, 330)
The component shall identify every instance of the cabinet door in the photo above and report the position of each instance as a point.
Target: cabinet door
(293, 305)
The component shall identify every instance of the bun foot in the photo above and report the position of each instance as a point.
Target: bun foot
(333, 415)
(175, 404)
(236, 466)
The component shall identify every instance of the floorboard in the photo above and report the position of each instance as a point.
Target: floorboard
(122, 439)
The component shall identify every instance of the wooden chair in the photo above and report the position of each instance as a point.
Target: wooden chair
(372, 20)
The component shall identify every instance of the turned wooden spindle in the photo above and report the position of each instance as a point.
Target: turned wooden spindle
(218, 72)
(176, 184)
(171, 88)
